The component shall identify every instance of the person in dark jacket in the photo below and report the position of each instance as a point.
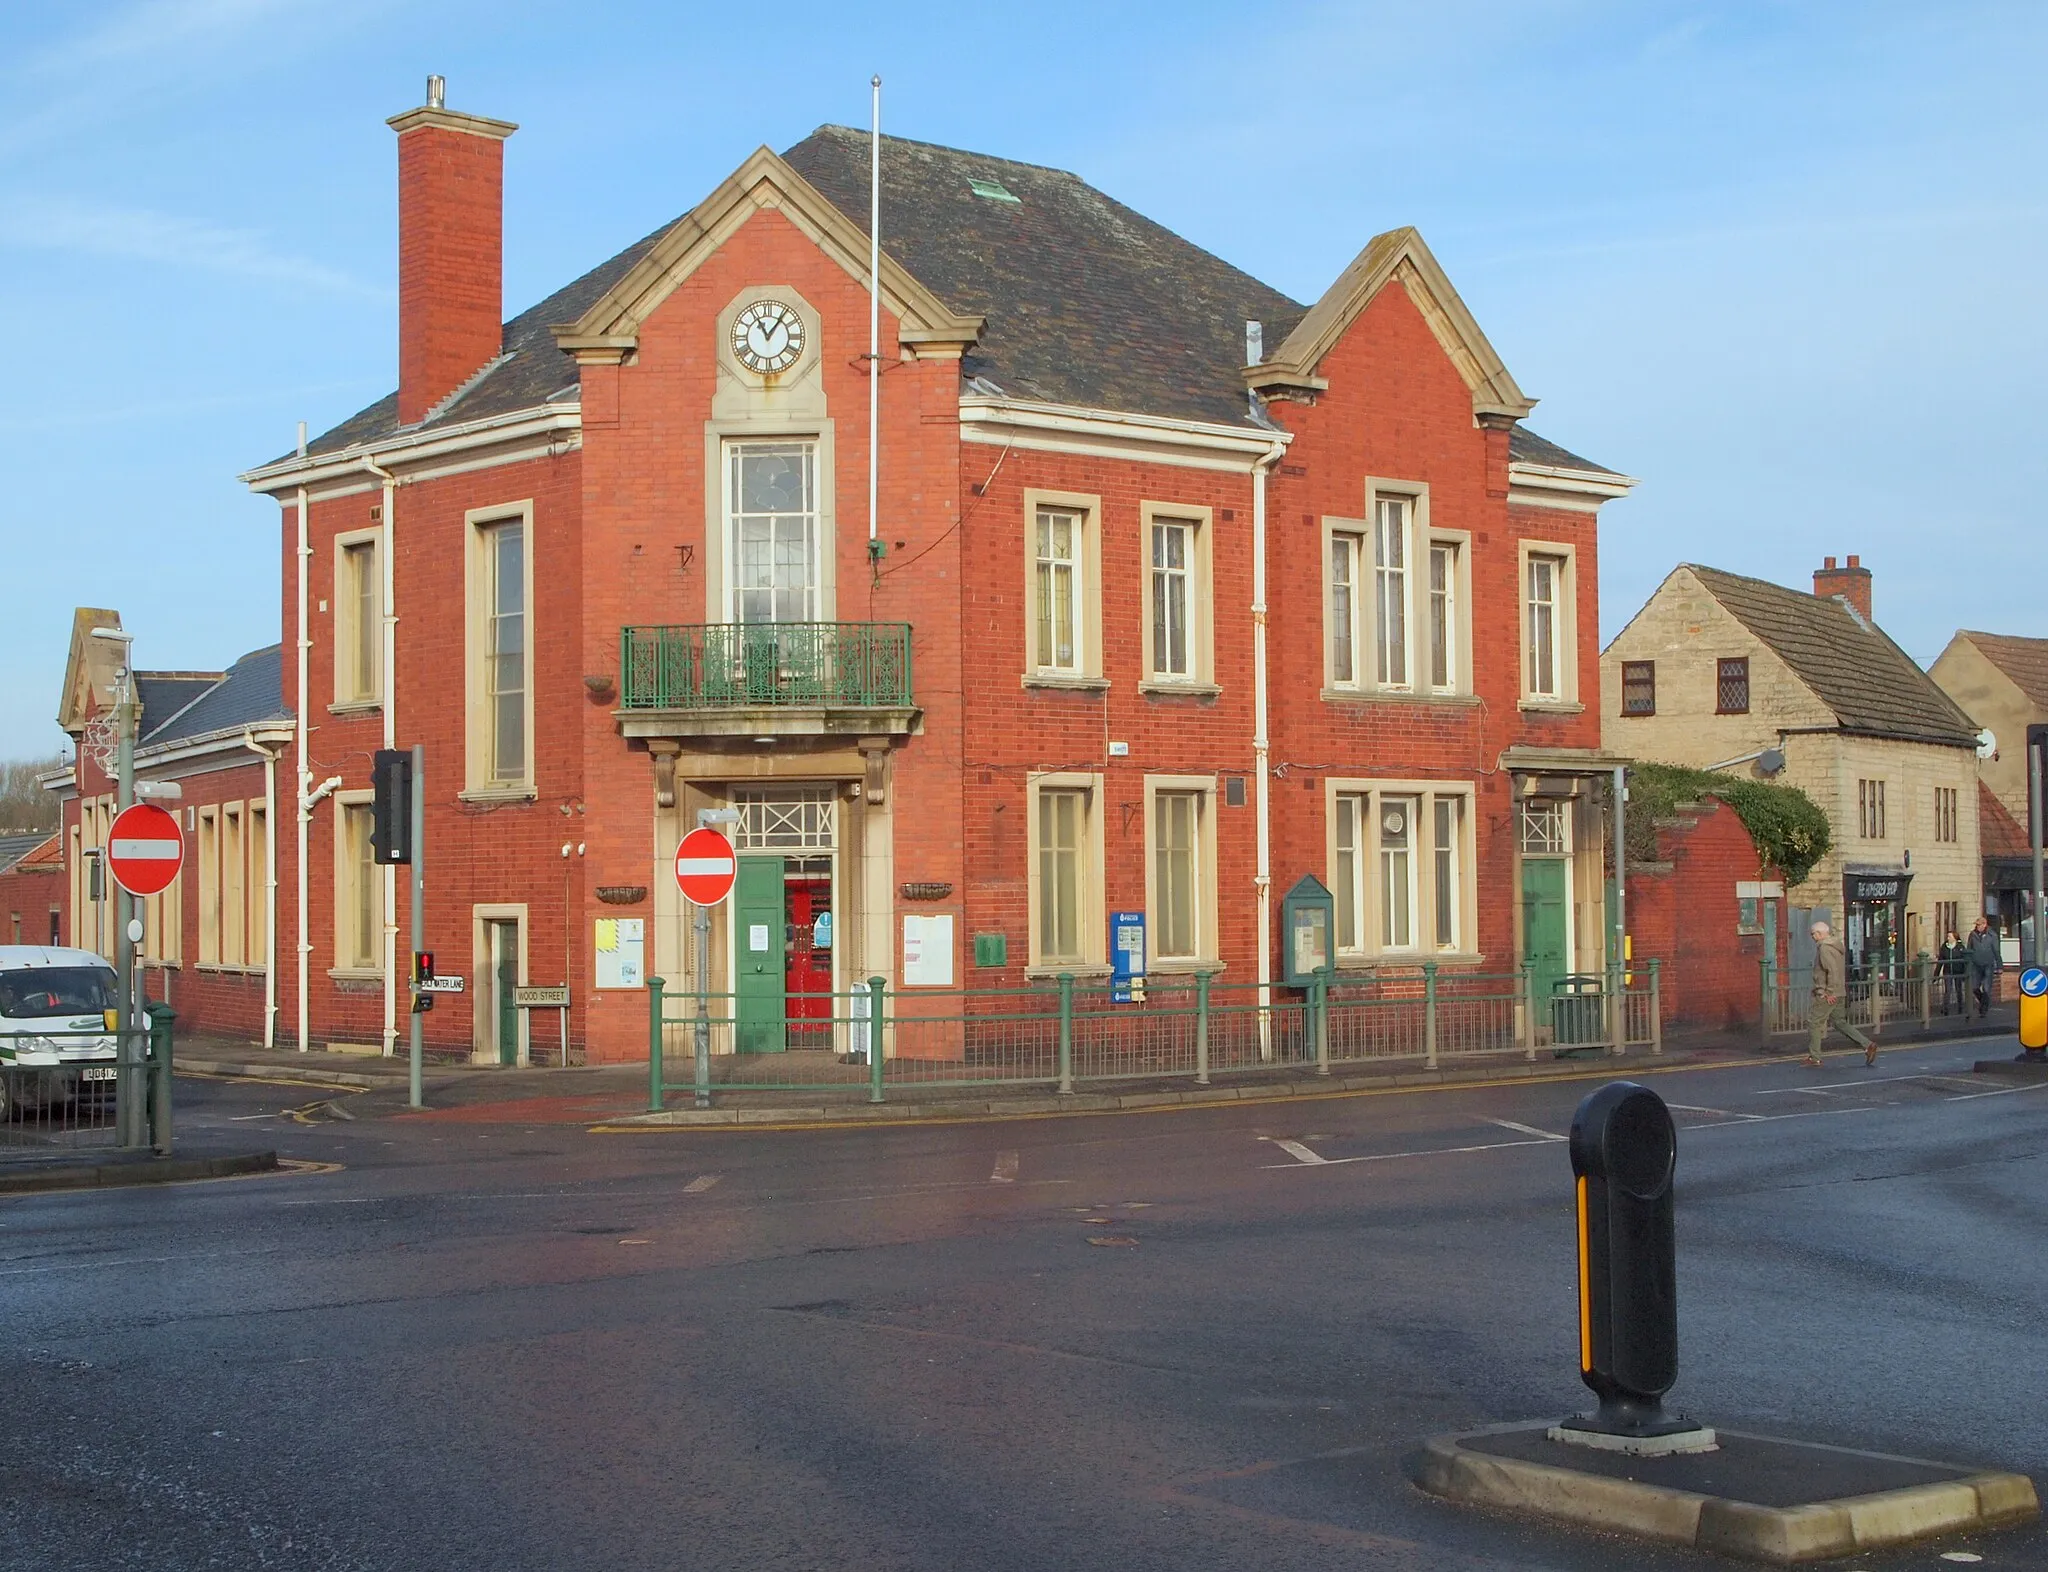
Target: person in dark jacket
(1952, 963)
(1987, 960)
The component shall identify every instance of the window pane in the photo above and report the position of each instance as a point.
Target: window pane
(366, 634)
(1443, 582)
(1639, 687)
(1343, 611)
(1390, 588)
(1543, 625)
(1174, 872)
(360, 933)
(1444, 849)
(1059, 875)
(1058, 586)
(506, 665)
(1170, 598)
(1397, 872)
(771, 492)
(1347, 878)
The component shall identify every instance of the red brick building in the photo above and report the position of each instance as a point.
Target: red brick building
(1709, 913)
(1173, 591)
(32, 889)
(208, 947)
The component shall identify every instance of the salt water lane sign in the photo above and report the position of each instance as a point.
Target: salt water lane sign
(705, 867)
(145, 849)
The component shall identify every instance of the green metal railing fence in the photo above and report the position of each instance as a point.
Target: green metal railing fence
(1918, 992)
(1069, 1032)
(749, 665)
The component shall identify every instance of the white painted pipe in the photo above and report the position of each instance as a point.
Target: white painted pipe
(269, 886)
(388, 659)
(1261, 744)
(304, 816)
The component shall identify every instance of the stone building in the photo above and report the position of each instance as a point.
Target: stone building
(2001, 682)
(1719, 671)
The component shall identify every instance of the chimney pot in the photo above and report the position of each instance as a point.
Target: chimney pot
(1851, 582)
(1254, 343)
(437, 92)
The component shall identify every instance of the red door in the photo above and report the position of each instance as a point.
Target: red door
(808, 975)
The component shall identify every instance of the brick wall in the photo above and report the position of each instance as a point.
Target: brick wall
(1682, 910)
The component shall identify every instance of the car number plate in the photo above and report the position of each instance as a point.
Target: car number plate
(97, 1072)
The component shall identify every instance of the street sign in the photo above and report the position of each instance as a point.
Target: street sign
(705, 867)
(2034, 1010)
(145, 849)
(441, 985)
(541, 998)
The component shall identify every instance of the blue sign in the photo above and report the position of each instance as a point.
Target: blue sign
(1126, 955)
(2033, 982)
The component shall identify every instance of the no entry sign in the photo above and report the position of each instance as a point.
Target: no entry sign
(145, 849)
(705, 867)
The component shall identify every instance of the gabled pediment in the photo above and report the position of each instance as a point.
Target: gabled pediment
(1398, 256)
(90, 671)
(610, 329)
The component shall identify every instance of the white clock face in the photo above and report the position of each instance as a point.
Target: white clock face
(767, 337)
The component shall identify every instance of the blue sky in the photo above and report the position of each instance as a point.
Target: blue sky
(1780, 261)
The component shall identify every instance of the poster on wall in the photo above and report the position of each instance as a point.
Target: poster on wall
(621, 946)
(927, 952)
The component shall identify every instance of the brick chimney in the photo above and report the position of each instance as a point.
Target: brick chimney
(451, 249)
(1850, 581)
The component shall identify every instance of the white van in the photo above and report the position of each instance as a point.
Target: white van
(45, 990)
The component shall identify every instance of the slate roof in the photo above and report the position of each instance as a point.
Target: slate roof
(1086, 301)
(2025, 661)
(164, 693)
(1525, 447)
(247, 693)
(1872, 686)
(15, 849)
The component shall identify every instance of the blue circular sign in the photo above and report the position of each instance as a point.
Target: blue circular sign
(2033, 982)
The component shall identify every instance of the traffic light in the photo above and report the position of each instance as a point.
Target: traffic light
(391, 811)
(422, 968)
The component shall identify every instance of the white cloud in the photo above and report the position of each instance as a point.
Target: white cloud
(136, 234)
(147, 30)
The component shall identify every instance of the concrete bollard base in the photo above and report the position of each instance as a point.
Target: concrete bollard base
(1765, 1498)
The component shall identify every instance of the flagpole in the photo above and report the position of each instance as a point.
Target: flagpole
(874, 311)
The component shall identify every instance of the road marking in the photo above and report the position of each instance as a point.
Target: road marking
(2003, 1091)
(700, 1184)
(1718, 1113)
(245, 1118)
(1525, 1129)
(1868, 1080)
(1294, 1149)
(1005, 1170)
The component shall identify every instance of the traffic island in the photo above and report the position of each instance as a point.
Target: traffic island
(1764, 1498)
(111, 1169)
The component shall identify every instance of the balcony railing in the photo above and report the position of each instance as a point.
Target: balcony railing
(766, 665)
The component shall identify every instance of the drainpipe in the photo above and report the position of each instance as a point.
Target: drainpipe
(269, 886)
(305, 774)
(1261, 743)
(387, 659)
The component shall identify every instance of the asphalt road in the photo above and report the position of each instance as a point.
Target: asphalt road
(1194, 1340)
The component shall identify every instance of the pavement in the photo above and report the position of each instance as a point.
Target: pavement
(376, 1087)
(1197, 1339)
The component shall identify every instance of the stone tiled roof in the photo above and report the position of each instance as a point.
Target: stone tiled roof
(1872, 686)
(2025, 661)
(1999, 834)
(247, 693)
(1086, 301)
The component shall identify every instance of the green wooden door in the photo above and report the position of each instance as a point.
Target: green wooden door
(504, 979)
(1544, 893)
(757, 916)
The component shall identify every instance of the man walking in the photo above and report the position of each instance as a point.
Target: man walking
(1987, 960)
(1830, 978)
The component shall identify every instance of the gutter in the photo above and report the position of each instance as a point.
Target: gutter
(413, 446)
(387, 656)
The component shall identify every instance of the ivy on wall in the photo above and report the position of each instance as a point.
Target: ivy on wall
(1787, 827)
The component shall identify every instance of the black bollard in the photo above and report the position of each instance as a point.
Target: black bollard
(1624, 1151)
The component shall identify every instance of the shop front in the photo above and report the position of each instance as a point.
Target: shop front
(1874, 922)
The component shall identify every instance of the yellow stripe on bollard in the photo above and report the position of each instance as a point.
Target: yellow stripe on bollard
(1585, 1285)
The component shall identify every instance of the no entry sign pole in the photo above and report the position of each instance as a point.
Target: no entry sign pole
(705, 868)
(145, 849)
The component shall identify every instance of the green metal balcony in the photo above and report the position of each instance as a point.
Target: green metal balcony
(765, 677)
